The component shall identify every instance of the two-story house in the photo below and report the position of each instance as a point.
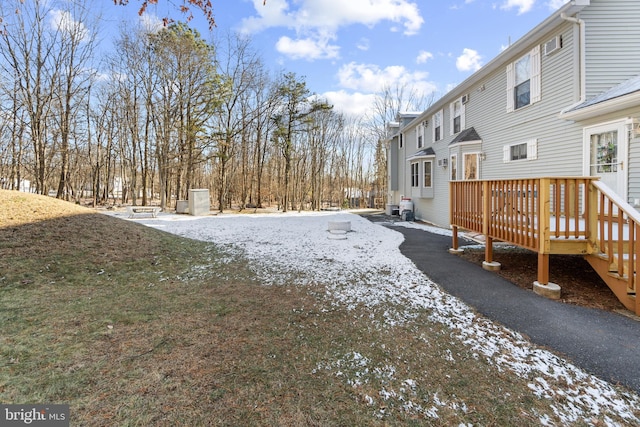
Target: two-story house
(564, 100)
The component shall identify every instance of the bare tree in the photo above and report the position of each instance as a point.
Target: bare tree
(75, 52)
(30, 53)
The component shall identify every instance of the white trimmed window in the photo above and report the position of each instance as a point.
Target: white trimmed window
(453, 167)
(527, 150)
(401, 140)
(456, 116)
(523, 80)
(420, 135)
(415, 177)
(437, 126)
(427, 170)
(471, 166)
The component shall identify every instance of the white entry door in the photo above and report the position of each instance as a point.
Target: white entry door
(607, 148)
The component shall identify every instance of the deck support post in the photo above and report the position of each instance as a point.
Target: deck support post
(489, 263)
(455, 249)
(542, 286)
(543, 268)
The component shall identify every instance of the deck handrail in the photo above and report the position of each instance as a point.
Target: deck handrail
(551, 215)
(528, 212)
(618, 228)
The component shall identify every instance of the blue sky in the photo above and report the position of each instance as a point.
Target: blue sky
(348, 49)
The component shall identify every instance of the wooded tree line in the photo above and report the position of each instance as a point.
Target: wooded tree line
(165, 112)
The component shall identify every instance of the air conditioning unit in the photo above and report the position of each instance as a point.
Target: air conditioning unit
(442, 163)
(552, 45)
(465, 99)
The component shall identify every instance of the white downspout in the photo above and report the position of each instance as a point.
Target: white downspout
(582, 61)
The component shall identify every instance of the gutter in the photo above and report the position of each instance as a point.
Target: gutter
(582, 61)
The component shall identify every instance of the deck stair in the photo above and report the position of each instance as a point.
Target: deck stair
(555, 215)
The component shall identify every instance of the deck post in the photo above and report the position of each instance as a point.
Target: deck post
(542, 286)
(543, 268)
(454, 238)
(488, 250)
(488, 263)
(591, 218)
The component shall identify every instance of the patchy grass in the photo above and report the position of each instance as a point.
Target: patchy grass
(131, 326)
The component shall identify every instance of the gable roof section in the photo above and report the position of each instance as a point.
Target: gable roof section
(427, 152)
(624, 95)
(467, 135)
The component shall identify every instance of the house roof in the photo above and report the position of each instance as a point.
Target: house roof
(515, 50)
(625, 88)
(427, 152)
(466, 135)
(624, 95)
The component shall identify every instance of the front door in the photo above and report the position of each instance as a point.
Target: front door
(607, 147)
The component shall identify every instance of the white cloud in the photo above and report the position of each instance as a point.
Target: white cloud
(316, 21)
(523, 6)
(353, 104)
(307, 48)
(556, 4)
(151, 23)
(423, 57)
(63, 21)
(470, 60)
(333, 14)
(371, 79)
(363, 44)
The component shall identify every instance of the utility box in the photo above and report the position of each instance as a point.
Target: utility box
(199, 202)
(182, 206)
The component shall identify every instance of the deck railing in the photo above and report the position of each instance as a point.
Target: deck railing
(551, 215)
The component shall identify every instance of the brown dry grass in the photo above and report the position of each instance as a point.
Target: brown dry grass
(131, 326)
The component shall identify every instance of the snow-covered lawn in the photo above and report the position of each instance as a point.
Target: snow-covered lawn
(367, 269)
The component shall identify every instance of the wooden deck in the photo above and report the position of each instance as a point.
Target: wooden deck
(555, 215)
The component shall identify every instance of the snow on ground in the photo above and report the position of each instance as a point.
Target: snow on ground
(367, 269)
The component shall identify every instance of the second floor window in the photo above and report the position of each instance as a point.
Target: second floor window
(522, 89)
(523, 80)
(456, 112)
(437, 126)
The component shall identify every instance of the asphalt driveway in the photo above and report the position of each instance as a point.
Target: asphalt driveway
(600, 342)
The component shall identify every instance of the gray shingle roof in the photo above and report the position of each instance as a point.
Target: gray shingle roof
(625, 88)
(466, 136)
(423, 153)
